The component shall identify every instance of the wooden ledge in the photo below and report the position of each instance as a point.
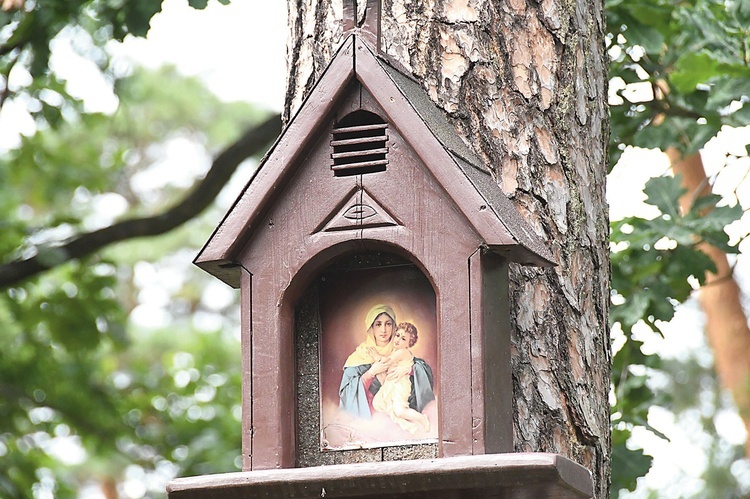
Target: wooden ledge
(520, 475)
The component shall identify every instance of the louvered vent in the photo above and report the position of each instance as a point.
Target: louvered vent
(360, 144)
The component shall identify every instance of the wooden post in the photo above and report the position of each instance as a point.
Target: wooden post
(370, 29)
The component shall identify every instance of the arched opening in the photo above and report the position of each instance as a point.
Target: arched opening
(331, 338)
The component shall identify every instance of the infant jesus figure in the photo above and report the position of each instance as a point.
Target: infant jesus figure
(393, 396)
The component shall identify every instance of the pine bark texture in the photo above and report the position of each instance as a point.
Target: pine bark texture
(524, 83)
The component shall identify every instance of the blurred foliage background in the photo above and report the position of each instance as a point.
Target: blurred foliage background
(119, 368)
(679, 75)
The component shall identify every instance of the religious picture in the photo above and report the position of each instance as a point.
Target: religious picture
(378, 360)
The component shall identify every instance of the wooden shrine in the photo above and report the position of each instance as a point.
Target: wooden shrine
(371, 250)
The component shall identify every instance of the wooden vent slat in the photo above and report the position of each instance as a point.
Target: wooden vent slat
(360, 128)
(363, 164)
(359, 140)
(367, 152)
(359, 144)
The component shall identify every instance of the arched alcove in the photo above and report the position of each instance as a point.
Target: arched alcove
(330, 319)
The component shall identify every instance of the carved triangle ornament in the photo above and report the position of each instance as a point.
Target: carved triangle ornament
(359, 211)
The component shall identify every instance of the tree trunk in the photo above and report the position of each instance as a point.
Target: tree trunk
(524, 83)
(726, 322)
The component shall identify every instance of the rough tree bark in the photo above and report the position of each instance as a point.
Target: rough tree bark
(524, 83)
(726, 323)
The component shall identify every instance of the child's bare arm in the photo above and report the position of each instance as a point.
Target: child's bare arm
(401, 364)
(395, 357)
(400, 356)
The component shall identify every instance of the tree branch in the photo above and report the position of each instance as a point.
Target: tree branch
(668, 108)
(224, 165)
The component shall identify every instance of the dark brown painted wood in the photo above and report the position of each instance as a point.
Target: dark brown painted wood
(431, 233)
(362, 164)
(234, 230)
(272, 436)
(499, 475)
(371, 26)
(361, 128)
(353, 66)
(428, 148)
(295, 217)
(456, 437)
(478, 408)
(496, 352)
(370, 30)
(349, 15)
(246, 325)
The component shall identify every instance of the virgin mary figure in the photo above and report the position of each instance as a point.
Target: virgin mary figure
(359, 382)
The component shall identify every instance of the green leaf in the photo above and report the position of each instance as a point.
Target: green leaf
(704, 203)
(676, 231)
(696, 134)
(670, 133)
(741, 117)
(627, 464)
(646, 36)
(692, 69)
(686, 262)
(633, 310)
(726, 90)
(664, 193)
(715, 219)
(138, 14)
(198, 4)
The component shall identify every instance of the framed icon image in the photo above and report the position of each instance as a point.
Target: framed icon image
(378, 358)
